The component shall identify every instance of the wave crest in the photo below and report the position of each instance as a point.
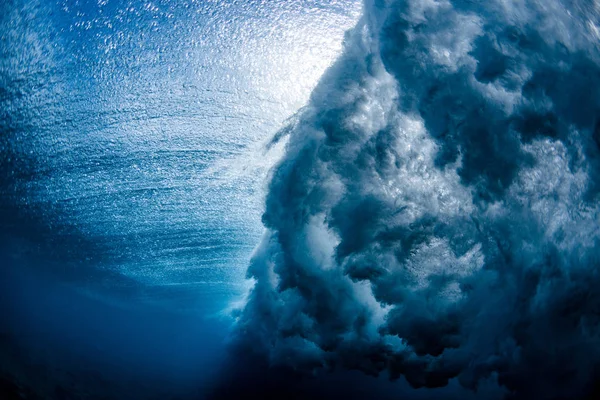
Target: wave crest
(435, 215)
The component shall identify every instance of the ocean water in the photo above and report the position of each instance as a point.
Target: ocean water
(300, 199)
(435, 219)
(133, 165)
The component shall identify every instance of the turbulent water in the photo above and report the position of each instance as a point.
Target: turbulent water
(431, 224)
(435, 219)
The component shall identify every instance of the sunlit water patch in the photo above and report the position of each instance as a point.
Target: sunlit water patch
(133, 132)
(133, 158)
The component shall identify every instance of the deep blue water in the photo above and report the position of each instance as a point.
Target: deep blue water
(300, 199)
(133, 164)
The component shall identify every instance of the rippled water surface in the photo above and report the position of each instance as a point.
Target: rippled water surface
(133, 136)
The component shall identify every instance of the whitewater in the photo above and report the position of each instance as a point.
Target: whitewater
(435, 216)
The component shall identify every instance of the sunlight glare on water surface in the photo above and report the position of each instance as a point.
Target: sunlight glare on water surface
(135, 133)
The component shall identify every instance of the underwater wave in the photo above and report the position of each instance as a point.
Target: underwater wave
(435, 216)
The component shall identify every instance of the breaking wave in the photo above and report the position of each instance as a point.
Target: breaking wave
(435, 216)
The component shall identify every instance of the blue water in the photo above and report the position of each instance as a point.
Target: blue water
(133, 163)
(300, 200)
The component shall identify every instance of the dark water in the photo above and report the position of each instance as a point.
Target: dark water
(62, 344)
